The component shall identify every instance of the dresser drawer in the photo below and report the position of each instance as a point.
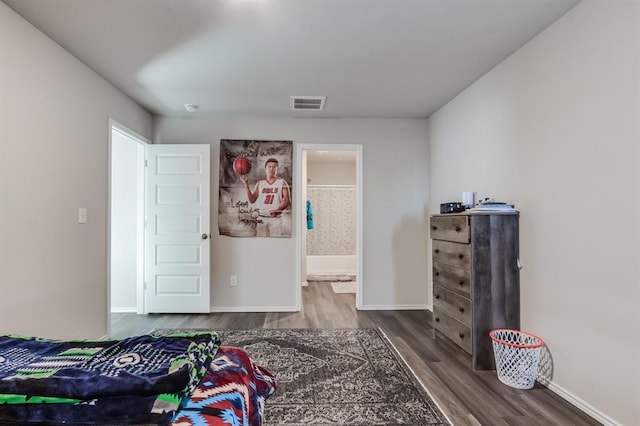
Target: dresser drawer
(454, 330)
(459, 307)
(452, 278)
(455, 254)
(450, 228)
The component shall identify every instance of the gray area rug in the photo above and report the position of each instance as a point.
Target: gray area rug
(336, 377)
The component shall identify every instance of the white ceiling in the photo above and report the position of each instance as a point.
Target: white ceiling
(370, 58)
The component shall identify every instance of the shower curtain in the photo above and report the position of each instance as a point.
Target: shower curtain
(334, 219)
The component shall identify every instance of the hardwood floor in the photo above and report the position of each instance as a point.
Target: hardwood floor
(466, 397)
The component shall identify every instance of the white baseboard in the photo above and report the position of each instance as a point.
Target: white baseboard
(254, 309)
(582, 405)
(304, 284)
(123, 310)
(394, 307)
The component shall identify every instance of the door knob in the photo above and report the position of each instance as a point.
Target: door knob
(205, 236)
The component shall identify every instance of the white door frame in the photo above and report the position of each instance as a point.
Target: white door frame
(115, 126)
(301, 212)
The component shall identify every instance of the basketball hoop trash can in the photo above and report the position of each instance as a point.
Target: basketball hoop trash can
(517, 357)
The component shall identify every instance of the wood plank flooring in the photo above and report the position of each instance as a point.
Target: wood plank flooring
(466, 397)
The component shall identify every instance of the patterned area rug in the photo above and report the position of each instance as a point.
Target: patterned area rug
(336, 377)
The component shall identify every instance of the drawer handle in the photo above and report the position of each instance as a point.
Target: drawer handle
(437, 250)
(461, 309)
(434, 227)
(437, 296)
(461, 335)
(461, 282)
(437, 319)
(458, 229)
(460, 256)
(437, 274)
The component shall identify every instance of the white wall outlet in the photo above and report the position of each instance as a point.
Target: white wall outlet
(82, 215)
(234, 281)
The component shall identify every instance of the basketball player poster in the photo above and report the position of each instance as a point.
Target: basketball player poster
(255, 188)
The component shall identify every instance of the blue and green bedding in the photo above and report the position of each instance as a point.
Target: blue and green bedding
(143, 379)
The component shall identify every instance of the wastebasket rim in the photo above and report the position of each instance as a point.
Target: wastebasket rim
(517, 345)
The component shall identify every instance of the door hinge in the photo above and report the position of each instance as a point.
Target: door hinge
(146, 163)
(145, 285)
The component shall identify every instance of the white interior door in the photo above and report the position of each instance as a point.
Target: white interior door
(177, 232)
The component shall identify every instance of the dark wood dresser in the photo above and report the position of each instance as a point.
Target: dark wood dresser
(476, 279)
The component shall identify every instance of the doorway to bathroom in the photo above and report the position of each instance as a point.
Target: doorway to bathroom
(331, 220)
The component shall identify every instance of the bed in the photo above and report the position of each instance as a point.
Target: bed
(179, 378)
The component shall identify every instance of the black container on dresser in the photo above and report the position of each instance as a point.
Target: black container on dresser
(476, 279)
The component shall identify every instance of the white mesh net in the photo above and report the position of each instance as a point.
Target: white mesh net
(517, 356)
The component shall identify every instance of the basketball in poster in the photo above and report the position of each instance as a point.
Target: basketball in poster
(241, 165)
(255, 188)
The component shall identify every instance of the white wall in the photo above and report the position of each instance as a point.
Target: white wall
(127, 221)
(555, 130)
(395, 202)
(54, 133)
(331, 174)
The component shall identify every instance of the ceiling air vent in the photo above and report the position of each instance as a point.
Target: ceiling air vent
(308, 103)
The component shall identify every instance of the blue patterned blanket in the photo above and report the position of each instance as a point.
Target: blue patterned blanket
(141, 379)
